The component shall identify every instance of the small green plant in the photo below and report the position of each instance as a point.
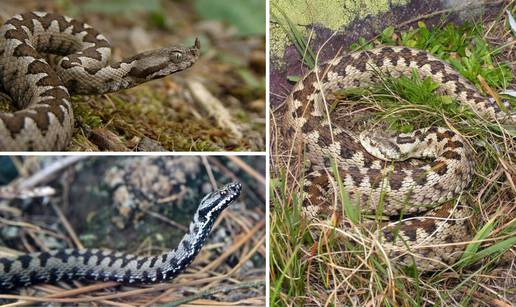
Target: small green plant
(463, 46)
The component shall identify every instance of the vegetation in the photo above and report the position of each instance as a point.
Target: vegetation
(313, 262)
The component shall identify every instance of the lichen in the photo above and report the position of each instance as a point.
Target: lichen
(332, 14)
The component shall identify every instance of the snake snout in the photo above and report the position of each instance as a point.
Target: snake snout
(234, 187)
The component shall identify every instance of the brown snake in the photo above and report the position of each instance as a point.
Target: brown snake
(371, 165)
(41, 93)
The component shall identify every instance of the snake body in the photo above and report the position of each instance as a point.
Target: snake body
(41, 93)
(95, 264)
(371, 164)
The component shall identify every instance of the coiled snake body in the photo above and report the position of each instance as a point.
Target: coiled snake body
(41, 93)
(94, 264)
(369, 164)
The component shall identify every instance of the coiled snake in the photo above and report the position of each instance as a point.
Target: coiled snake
(94, 264)
(41, 93)
(369, 164)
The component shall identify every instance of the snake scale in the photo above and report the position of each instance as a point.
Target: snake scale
(41, 93)
(95, 264)
(372, 165)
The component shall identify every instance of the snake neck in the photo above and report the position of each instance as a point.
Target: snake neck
(181, 257)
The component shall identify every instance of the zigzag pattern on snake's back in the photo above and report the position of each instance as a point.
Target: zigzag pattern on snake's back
(371, 165)
(95, 264)
(41, 93)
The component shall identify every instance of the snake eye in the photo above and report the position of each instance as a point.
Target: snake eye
(177, 57)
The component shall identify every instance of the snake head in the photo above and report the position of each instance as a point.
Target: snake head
(213, 203)
(381, 145)
(162, 62)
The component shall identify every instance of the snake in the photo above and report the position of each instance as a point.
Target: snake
(40, 93)
(97, 264)
(376, 168)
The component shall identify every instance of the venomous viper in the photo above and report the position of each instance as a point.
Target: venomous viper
(369, 163)
(94, 264)
(44, 119)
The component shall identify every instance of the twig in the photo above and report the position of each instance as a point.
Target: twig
(137, 292)
(210, 172)
(165, 219)
(12, 192)
(85, 299)
(254, 284)
(214, 107)
(246, 168)
(50, 170)
(69, 229)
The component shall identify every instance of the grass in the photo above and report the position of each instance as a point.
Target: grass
(295, 36)
(313, 262)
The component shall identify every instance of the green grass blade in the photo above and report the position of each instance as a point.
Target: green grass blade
(349, 209)
(305, 52)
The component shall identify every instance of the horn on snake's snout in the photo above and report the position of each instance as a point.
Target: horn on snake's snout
(197, 44)
(195, 49)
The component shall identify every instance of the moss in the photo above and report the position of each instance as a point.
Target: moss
(151, 112)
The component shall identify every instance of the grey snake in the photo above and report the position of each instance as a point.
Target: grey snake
(96, 264)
